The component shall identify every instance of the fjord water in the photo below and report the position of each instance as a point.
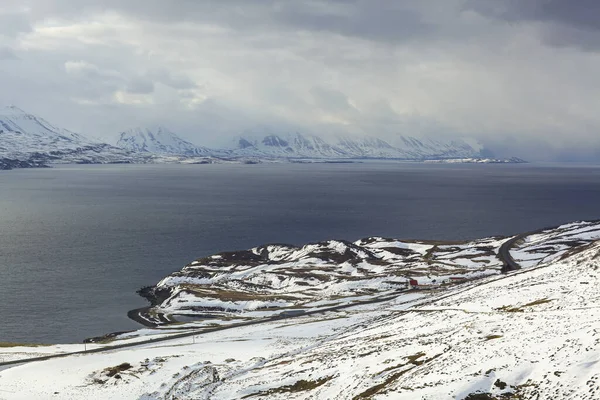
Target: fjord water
(77, 241)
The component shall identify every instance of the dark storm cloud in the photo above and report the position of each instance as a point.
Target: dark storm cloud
(579, 13)
(565, 22)
(385, 20)
(156, 10)
(476, 68)
(371, 19)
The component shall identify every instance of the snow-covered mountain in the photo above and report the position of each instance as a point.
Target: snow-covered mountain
(32, 139)
(160, 140)
(296, 145)
(29, 140)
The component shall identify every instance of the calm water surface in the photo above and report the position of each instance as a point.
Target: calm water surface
(77, 241)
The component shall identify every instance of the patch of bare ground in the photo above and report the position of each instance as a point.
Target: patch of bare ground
(229, 295)
(414, 361)
(492, 337)
(519, 392)
(574, 250)
(300, 386)
(12, 344)
(520, 308)
(111, 372)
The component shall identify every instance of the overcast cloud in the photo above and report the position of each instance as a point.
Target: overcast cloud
(519, 75)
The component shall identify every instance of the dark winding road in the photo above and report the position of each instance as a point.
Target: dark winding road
(504, 252)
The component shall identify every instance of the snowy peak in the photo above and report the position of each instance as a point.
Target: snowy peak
(29, 140)
(12, 109)
(16, 122)
(159, 140)
(296, 145)
(290, 145)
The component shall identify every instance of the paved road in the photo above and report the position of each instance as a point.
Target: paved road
(504, 253)
(202, 331)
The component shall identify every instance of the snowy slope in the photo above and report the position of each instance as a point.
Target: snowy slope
(27, 137)
(266, 280)
(532, 334)
(296, 145)
(160, 140)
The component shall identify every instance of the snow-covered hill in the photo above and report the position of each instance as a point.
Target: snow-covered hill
(160, 140)
(31, 139)
(529, 334)
(265, 280)
(296, 145)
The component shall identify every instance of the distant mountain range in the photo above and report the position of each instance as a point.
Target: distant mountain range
(160, 140)
(296, 145)
(29, 140)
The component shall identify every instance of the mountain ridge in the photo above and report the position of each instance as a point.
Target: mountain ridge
(34, 142)
(160, 140)
(297, 145)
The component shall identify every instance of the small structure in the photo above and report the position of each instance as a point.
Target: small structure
(415, 285)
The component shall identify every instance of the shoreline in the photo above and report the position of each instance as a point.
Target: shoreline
(148, 317)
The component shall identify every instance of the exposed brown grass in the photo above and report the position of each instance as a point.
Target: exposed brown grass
(300, 386)
(520, 308)
(381, 387)
(112, 371)
(492, 337)
(11, 344)
(230, 295)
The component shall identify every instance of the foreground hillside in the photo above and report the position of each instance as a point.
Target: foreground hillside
(529, 334)
(267, 280)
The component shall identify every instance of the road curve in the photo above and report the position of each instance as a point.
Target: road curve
(504, 252)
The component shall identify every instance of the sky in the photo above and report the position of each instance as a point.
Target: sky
(521, 76)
